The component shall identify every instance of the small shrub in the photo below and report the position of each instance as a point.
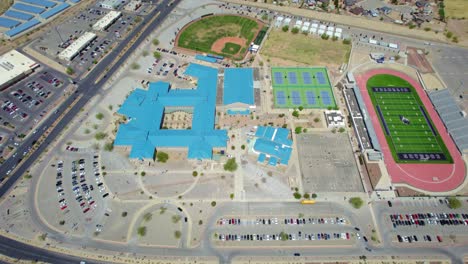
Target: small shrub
(213, 203)
(194, 173)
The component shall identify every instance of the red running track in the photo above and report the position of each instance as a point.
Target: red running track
(428, 177)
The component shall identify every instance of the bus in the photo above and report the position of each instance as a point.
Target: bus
(308, 202)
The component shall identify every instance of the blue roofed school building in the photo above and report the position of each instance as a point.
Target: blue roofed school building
(145, 110)
(238, 93)
(272, 144)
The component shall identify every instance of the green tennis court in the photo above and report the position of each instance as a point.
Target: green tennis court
(306, 87)
(408, 128)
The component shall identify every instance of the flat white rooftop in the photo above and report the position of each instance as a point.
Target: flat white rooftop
(77, 46)
(13, 64)
(102, 23)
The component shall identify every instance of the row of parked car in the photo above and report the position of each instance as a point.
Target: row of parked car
(422, 219)
(414, 238)
(286, 221)
(62, 201)
(284, 236)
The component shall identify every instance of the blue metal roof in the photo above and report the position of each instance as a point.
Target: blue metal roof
(75, 1)
(43, 3)
(8, 23)
(205, 58)
(145, 110)
(274, 143)
(18, 15)
(23, 27)
(238, 86)
(55, 10)
(28, 8)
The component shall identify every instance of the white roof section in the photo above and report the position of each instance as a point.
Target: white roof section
(323, 27)
(331, 29)
(77, 46)
(14, 64)
(340, 30)
(314, 25)
(330, 33)
(111, 3)
(338, 34)
(106, 20)
(306, 24)
(313, 30)
(287, 21)
(298, 23)
(321, 31)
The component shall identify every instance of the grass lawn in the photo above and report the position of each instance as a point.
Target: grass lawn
(408, 128)
(201, 35)
(231, 48)
(4, 5)
(456, 8)
(305, 49)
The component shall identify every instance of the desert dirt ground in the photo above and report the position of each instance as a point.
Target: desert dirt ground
(4, 5)
(459, 28)
(305, 49)
(456, 8)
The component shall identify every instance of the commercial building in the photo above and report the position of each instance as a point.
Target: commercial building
(71, 51)
(111, 4)
(13, 67)
(103, 23)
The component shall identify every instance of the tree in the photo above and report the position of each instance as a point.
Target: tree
(141, 231)
(346, 41)
(99, 116)
(264, 17)
(295, 113)
(157, 55)
(336, 3)
(441, 14)
(243, 147)
(356, 202)
(143, 174)
(298, 130)
(316, 120)
(145, 53)
(283, 236)
(231, 196)
(135, 66)
(230, 165)
(155, 42)
(300, 108)
(295, 30)
(100, 135)
(306, 196)
(297, 195)
(109, 146)
(177, 234)
(285, 28)
(454, 203)
(314, 195)
(341, 129)
(70, 71)
(194, 173)
(162, 157)
(147, 217)
(213, 203)
(176, 219)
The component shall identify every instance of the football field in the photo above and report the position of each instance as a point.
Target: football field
(408, 128)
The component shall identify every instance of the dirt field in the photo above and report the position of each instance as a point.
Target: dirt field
(4, 5)
(456, 8)
(220, 43)
(459, 29)
(305, 49)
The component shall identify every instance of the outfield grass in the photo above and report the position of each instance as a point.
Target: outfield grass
(201, 35)
(231, 48)
(306, 49)
(415, 137)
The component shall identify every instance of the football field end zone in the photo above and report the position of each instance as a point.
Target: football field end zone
(434, 178)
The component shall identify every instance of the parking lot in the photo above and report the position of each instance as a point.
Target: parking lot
(27, 102)
(60, 37)
(284, 229)
(81, 194)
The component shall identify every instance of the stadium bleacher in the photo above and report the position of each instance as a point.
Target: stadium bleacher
(28, 8)
(18, 15)
(8, 23)
(25, 26)
(43, 3)
(53, 11)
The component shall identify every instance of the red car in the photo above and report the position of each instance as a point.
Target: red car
(86, 210)
(63, 207)
(439, 238)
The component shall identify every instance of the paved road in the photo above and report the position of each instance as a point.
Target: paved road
(87, 88)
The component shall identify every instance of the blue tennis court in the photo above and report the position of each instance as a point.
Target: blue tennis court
(292, 78)
(280, 98)
(296, 98)
(278, 78)
(310, 97)
(306, 78)
(326, 99)
(320, 78)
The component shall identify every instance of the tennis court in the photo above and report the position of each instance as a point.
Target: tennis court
(410, 133)
(306, 87)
